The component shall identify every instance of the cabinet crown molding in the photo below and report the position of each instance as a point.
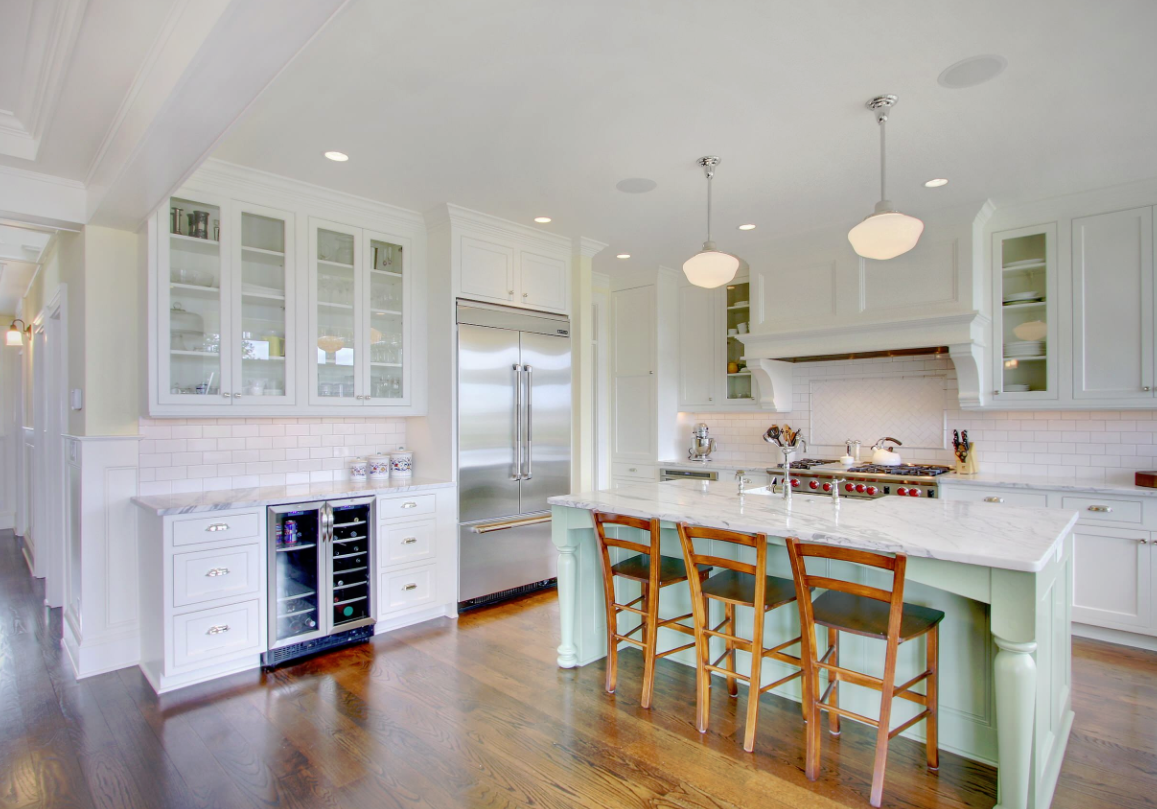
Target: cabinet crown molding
(588, 247)
(484, 223)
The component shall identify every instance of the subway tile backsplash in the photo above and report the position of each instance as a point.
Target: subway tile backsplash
(1094, 446)
(192, 455)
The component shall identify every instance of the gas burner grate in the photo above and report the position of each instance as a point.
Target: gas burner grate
(808, 463)
(920, 471)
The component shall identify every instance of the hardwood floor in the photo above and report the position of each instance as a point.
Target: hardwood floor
(475, 713)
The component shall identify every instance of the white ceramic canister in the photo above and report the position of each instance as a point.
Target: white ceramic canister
(358, 470)
(379, 467)
(401, 462)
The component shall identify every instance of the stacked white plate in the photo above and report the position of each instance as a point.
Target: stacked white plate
(1024, 348)
(1015, 388)
(1023, 297)
(1025, 264)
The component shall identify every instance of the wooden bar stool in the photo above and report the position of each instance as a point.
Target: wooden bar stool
(737, 585)
(872, 613)
(652, 578)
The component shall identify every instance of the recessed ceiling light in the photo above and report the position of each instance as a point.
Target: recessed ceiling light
(542, 220)
(636, 185)
(747, 227)
(939, 181)
(623, 255)
(972, 71)
(338, 157)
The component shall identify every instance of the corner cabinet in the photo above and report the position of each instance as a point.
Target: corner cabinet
(278, 307)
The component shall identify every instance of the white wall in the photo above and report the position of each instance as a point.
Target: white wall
(9, 427)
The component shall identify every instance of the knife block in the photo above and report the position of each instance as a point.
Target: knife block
(971, 464)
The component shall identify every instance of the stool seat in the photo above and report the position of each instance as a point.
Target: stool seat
(737, 587)
(671, 569)
(865, 616)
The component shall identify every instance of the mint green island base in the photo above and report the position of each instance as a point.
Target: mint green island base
(1005, 647)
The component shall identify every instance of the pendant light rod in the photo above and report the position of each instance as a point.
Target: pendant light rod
(880, 106)
(709, 163)
(710, 268)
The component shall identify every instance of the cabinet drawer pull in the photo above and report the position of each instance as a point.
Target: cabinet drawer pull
(410, 504)
(218, 526)
(217, 571)
(218, 629)
(410, 587)
(994, 499)
(409, 540)
(1101, 509)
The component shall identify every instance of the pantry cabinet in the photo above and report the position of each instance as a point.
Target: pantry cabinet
(1113, 307)
(268, 303)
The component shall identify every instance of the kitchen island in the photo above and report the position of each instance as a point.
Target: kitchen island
(1002, 577)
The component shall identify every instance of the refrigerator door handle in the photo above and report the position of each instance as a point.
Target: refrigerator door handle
(517, 423)
(529, 451)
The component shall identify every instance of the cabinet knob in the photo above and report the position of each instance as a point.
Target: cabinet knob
(711, 398)
(1142, 541)
(510, 292)
(226, 395)
(1146, 388)
(236, 395)
(524, 294)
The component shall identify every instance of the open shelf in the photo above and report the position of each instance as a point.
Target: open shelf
(1028, 305)
(387, 273)
(386, 364)
(323, 263)
(262, 251)
(196, 290)
(328, 305)
(1041, 358)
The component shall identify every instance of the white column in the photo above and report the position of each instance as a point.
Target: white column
(1015, 674)
(582, 363)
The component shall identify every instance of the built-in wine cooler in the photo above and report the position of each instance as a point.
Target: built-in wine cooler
(322, 591)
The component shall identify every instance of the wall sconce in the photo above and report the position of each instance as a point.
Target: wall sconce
(15, 335)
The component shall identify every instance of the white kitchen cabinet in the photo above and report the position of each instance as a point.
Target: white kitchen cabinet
(1025, 289)
(1112, 578)
(286, 306)
(1113, 308)
(484, 258)
(699, 377)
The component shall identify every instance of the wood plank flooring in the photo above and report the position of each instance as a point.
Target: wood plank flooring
(475, 713)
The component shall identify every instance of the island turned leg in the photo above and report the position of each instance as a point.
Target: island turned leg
(566, 542)
(1015, 676)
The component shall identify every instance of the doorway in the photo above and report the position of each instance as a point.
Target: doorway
(50, 423)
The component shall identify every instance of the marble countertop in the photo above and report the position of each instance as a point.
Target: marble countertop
(226, 499)
(716, 466)
(1009, 538)
(990, 479)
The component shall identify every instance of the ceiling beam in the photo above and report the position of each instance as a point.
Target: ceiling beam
(211, 61)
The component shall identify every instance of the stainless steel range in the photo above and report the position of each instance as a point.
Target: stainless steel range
(865, 481)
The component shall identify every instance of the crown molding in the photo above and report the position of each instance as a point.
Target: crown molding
(587, 247)
(36, 176)
(496, 227)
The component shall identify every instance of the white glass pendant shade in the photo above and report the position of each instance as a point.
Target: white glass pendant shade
(885, 234)
(710, 268)
(15, 336)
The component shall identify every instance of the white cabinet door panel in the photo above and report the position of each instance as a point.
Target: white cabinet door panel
(698, 363)
(487, 270)
(1113, 305)
(543, 281)
(1111, 578)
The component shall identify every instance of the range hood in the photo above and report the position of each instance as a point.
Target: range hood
(962, 336)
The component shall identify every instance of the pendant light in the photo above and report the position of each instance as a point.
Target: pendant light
(710, 268)
(887, 233)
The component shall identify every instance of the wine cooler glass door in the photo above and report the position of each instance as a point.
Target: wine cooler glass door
(296, 565)
(351, 565)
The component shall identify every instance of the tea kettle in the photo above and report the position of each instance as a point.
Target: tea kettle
(702, 444)
(886, 456)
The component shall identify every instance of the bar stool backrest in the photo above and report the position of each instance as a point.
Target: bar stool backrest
(650, 548)
(689, 533)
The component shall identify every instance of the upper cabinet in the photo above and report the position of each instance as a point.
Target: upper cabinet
(1025, 345)
(1113, 337)
(496, 261)
(244, 327)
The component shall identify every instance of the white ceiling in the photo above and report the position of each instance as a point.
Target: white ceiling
(114, 38)
(528, 107)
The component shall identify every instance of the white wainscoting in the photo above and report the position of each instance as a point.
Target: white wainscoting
(101, 624)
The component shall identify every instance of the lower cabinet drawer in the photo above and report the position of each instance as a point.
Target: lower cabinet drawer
(406, 588)
(998, 496)
(1103, 509)
(406, 542)
(217, 528)
(636, 471)
(219, 573)
(406, 506)
(212, 636)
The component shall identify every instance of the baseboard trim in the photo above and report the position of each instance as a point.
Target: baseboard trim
(1116, 636)
(409, 619)
(90, 658)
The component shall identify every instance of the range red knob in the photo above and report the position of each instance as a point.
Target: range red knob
(849, 487)
(913, 492)
(795, 483)
(815, 484)
(901, 491)
(860, 488)
(827, 487)
(872, 490)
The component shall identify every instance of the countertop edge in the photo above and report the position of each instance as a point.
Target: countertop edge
(164, 506)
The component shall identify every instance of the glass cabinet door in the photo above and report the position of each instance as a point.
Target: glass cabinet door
(350, 567)
(295, 574)
(737, 321)
(263, 282)
(1024, 325)
(336, 285)
(192, 311)
(387, 337)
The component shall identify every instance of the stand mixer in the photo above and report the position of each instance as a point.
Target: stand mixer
(702, 444)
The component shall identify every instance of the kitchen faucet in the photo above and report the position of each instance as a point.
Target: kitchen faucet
(740, 475)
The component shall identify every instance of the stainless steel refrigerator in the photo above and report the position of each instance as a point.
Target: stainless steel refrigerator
(514, 423)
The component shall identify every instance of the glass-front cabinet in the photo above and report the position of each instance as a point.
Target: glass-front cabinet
(737, 320)
(1024, 306)
(358, 327)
